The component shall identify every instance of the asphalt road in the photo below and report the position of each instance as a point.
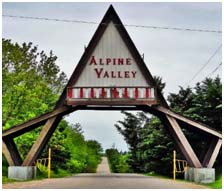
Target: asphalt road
(104, 179)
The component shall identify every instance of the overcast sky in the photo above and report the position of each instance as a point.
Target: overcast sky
(174, 55)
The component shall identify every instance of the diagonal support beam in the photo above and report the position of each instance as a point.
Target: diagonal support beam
(36, 122)
(11, 153)
(195, 124)
(7, 154)
(183, 143)
(212, 152)
(42, 140)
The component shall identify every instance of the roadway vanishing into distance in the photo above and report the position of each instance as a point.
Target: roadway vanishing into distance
(104, 179)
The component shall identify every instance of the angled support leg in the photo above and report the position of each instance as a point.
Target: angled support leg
(42, 140)
(212, 152)
(183, 143)
(10, 152)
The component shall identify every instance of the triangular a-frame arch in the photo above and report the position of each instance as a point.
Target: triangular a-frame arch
(112, 23)
(111, 32)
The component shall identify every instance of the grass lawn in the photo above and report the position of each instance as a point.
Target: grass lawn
(6, 180)
(40, 175)
(217, 184)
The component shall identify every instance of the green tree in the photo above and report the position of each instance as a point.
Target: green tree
(30, 79)
(130, 128)
(84, 156)
(118, 161)
(113, 158)
(182, 101)
(202, 103)
(152, 150)
(155, 148)
(94, 154)
(159, 83)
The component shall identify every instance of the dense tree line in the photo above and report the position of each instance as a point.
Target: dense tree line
(31, 85)
(151, 146)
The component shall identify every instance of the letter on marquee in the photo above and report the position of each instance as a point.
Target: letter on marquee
(98, 72)
(92, 61)
(108, 61)
(128, 61)
(134, 73)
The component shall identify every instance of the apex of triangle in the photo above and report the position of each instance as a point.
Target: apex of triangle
(111, 6)
(110, 9)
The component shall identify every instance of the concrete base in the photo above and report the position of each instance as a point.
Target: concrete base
(200, 175)
(21, 172)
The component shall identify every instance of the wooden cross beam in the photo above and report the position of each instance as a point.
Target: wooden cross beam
(36, 122)
(212, 152)
(11, 153)
(193, 123)
(42, 140)
(183, 143)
